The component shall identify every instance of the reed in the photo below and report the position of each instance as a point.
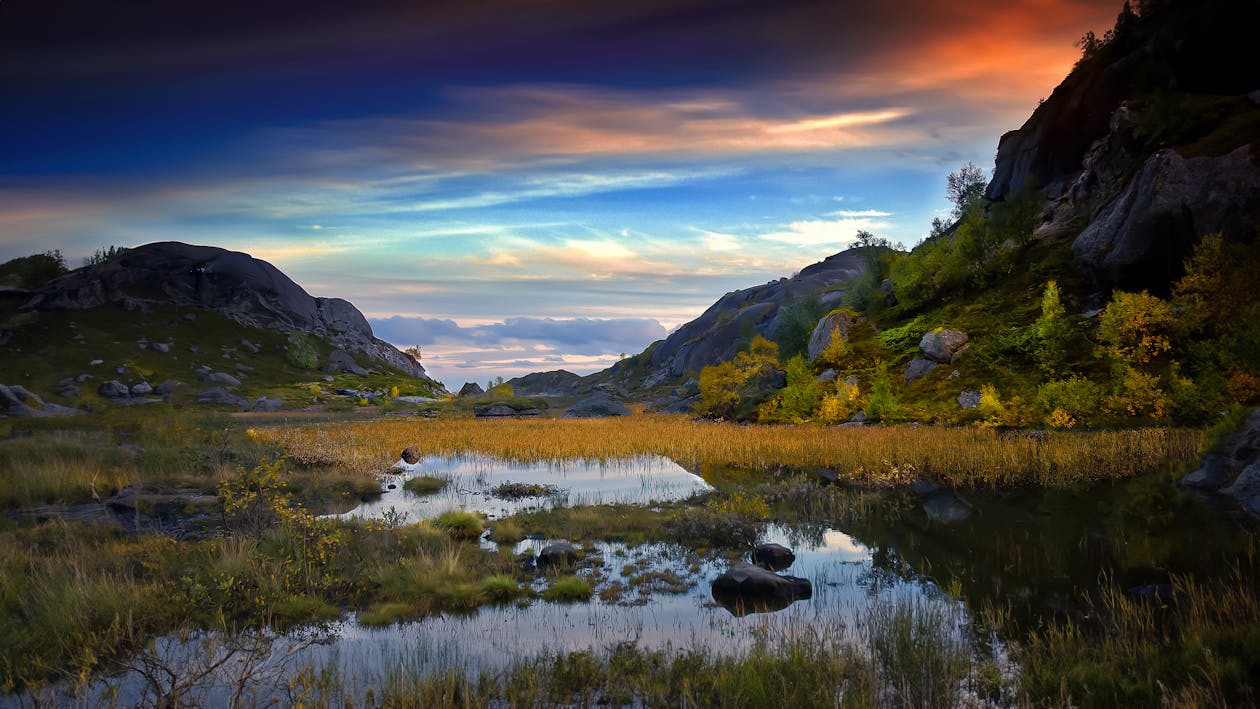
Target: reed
(870, 455)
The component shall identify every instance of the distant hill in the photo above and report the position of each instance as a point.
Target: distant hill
(179, 312)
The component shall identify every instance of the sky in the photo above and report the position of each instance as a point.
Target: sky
(513, 185)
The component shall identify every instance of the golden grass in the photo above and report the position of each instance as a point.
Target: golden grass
(879, 455)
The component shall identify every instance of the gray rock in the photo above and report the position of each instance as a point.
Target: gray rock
(265, 404)
(597, 405)
(69, 392)
(860, 417)
(775, 557)
(18, 402)
(827, 376)
(496, 411)
(969, 399)
(341, 361)
(83, 378)
(751, 582)
(917, 368)
(221, 396)
(113, 389)
(240, 367)
(222, 378)
(160, 346)
(96, 362)
(557, 382)
(141, 389)
(255, 349)
(835, 324)
(559, 554)
(168, 387)
(943, 345)
(1246, 489)
(190, 316)
(1162, 212)
(471, 389)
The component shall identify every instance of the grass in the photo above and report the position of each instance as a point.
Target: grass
(462, 524)
(425, 485)
(568, 589)
(518, 491)
(875, 455)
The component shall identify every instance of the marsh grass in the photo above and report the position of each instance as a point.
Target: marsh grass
(870, 455)
(921, 656)
(462, 524)
(568, 589)
(425, 485)
(1199, 647)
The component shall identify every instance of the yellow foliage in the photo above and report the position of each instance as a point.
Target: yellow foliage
(1140, 394)
(1244, 387)
(990, 407)
(1135, 328)
(840, 406)
(742, 505)
(393, 392)
(1060, 419)
(837, 352)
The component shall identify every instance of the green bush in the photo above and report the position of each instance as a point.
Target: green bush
(302, 352)
(462, 524)
(881, 402)
(568, 589)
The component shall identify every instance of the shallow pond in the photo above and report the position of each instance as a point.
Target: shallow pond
(472, 481)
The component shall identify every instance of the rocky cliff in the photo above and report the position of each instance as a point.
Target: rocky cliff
(246, 290)
(1149, 143)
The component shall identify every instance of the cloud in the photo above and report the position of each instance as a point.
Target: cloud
(585, 336)
(838, 233)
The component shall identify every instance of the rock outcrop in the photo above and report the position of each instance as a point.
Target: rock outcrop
(1232, 467)
(716, 335)
(557, 382)
(597, 405)
(834, 325)
(1146, 144)
(246, 290)
(16, 401)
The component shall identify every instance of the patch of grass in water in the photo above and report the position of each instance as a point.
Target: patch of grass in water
(425, 485)
(518, 491)
(500, 588)
(568, 589)
(506, 531)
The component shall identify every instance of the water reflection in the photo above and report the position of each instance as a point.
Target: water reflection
(472, 480)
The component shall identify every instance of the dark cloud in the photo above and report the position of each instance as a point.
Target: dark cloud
(585, 336)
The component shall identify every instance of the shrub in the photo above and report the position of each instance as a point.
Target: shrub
(730, 389)
(302, 352)
(840, 406)
(799, 399)
(1136, 328)
(502, 390)
(881, 403)
(32, 271)
(500, 588)
(1137, 393)
(1052, 331)
(424, 485)
(1077, 398)
(990, 407)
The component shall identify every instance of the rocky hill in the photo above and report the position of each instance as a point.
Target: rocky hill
(181, 314)
(1149, 143)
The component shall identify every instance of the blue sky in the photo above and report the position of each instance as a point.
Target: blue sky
(514, 186)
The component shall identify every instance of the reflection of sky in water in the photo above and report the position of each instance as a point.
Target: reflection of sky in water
(845, 585)
(637, 480)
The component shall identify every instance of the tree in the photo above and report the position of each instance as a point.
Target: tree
(104, 254)
(1053, 330)
(965, 189)
(413, 352)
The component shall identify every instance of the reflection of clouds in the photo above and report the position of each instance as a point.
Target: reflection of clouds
(844, 545)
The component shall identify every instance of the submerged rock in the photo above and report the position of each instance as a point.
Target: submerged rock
(946, 507)
(747, 588)
(559, 554)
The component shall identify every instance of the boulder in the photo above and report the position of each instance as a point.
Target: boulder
(341, 361)
(411, 455)
(168, 387)
(219, 395)
(751, 583)
(502, 411)
(222, 378)
(253, 348)
(18, 402)
(1246, 489)
(559, 554)
(597, 405)
(827, 376)
(836, 324)
(113, 389)
(471, 389)
(141, 389)
(264, 404)
(943, 345)
(773, 556)
(969, 399)
(160, 346)
(917, 368)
